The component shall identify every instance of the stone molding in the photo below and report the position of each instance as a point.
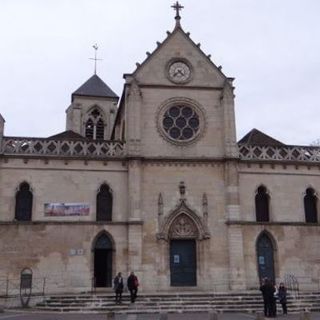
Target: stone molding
(45, 222)
(271, 223)
(182, 223)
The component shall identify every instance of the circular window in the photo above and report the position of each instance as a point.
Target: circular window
(180, 122)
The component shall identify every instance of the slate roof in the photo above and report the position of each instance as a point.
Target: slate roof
(94, 87)
(258, 138)
(68, 135)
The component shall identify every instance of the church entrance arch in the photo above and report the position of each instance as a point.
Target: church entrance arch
(183, 263)
(265, 256)
(183, 253)
(102, 252)
(183, 231)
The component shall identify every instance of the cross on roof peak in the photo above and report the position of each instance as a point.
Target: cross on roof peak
(95, 47)
(177, 7)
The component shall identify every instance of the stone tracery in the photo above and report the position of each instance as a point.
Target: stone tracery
(183, 227)
(182, 223)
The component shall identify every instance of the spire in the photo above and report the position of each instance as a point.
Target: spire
(94, 87)
(177, 7)
(95, 47)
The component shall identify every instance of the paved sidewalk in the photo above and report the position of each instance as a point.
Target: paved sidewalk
(179, 316)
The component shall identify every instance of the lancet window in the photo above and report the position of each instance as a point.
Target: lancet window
(262, 200)
(104, 203)
(310, 206)
(24, 198)
(94, 126)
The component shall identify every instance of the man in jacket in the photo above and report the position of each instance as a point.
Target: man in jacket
(133, 284)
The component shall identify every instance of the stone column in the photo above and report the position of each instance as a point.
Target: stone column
(134, 217)
(227, 102)
(134, 189)
(235, 237)
(2, 121)
(133, 118)
(133, 102)
(236, 258)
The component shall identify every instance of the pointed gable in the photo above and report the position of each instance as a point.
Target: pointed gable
(67, 135)
(258, 138)
(94, 87)
(179, 46)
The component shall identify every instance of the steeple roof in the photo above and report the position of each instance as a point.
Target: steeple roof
(94, 87)
(258, 138)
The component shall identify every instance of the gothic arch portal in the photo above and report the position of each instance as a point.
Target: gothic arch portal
(103, 253)
(182, 229)
(266, 255)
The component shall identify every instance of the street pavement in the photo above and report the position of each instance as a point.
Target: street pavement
(177, 316)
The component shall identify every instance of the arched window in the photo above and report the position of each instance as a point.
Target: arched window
(24, 197)
(94, 127)
(310, 206)
(262, 204)
(104, 203)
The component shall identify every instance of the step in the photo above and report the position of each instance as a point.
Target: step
(174, 302)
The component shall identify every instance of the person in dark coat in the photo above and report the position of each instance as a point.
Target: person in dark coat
(133, 285)
(268, 291)
(118, 287)
(263, 289)
(282, 294)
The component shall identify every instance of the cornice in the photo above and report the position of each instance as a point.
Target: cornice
(186, 87)
(81, 223)
(271, 223)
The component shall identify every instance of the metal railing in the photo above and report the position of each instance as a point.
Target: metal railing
(11, 286)
(292, 284)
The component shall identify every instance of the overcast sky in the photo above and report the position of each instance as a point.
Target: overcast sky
(271, 47)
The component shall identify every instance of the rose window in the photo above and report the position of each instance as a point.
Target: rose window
(181, 123)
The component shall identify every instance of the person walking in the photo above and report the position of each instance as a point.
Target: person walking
(133, 285)
(263, 289)
(282, 294)
(268, 290)
(118, 287)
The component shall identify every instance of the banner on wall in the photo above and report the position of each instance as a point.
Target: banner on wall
(66, 209)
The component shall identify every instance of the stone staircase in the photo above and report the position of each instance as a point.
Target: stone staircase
(247, 302)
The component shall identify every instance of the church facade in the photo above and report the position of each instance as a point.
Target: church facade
(155, 182)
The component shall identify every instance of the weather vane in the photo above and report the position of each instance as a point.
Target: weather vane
(95, 47)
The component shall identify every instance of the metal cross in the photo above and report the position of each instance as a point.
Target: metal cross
(177, 6)
(95, 47)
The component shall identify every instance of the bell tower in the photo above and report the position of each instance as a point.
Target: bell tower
(92, 110)
(93, 107)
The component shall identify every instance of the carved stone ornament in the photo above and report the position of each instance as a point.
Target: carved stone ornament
(183, 223)
(183, 227)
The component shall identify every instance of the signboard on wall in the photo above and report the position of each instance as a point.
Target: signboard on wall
(66, 209)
